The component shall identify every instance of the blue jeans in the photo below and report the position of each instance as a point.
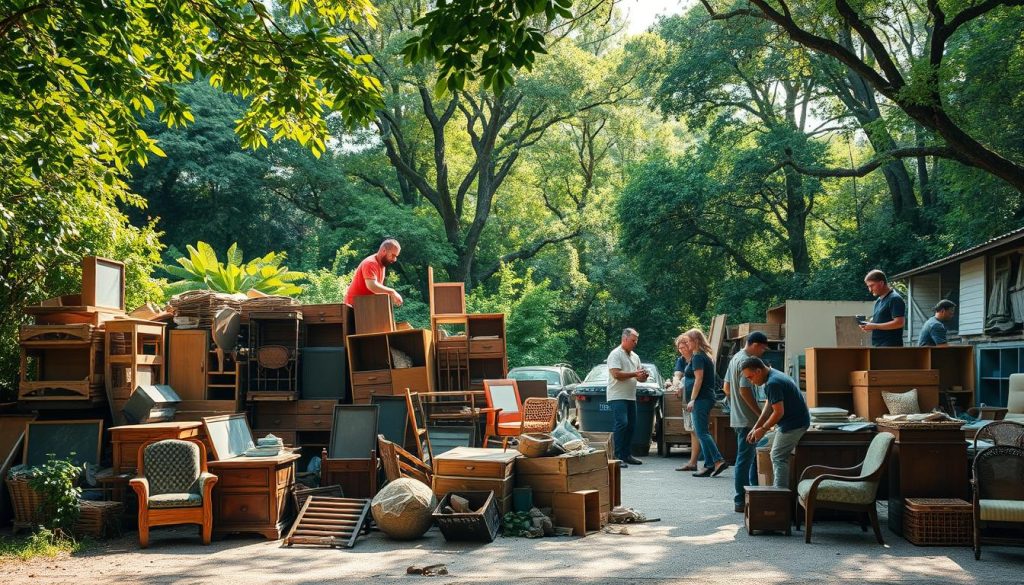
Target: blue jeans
(623, 423)
(701, 414)
(746, 468)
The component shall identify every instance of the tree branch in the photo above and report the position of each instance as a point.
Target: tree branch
(881, 159)
(527, 252)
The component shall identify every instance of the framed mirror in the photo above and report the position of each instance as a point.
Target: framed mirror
(229, 434)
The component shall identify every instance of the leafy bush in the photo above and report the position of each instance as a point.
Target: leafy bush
(57, 482)
(203, 270)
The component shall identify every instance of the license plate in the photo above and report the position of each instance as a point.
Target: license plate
(604, 407)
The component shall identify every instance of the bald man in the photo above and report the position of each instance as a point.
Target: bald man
(369, 277)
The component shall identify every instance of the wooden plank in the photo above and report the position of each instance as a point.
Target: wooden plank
(717, 335)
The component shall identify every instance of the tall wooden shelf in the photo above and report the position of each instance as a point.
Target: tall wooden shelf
(133, 357)
(995, 365)
(192, 370)
(61, 364)
(828, 370)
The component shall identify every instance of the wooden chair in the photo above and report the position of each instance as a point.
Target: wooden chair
(418, 424)
(1001, 432)
(350, 459)
(506, 419)
(400, 463)
(539, 415)
(835, 487)
(174, 487)
(998, 487)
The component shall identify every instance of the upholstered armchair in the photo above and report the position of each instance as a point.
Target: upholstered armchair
(1015, 399)
(839, 488)
(174, 487)
(998, 486)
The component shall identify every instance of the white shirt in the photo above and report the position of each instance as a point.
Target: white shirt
(626, 362)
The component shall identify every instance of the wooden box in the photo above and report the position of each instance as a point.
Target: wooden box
(615, 482)
(772, 330)
(908, 378)
(546, 499)
(373, 314)
(477, 462)
(580, 510)
(562, 464)
(868, 402)
(554, 482)
(768, 508)
(128, 439)
(327, 313)
(601, 440)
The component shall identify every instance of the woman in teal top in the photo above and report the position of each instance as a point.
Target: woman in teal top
(699, 383)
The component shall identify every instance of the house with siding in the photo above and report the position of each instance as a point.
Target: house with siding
(987, 284)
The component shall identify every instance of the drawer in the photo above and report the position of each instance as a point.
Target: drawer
(244, 508)
(362, 394)
(315, 407)
(313, 422)
(272, 408)
(274, 421)
(245, 477)
(371, 377)
(327, 313)
(482, 469)
(502, 488)
(477, 346)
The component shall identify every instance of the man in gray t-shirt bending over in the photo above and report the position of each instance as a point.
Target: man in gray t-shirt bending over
(624, 372)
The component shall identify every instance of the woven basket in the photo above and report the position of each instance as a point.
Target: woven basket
(535, 444)
(938, 522)
(98, 519)
(27, 504)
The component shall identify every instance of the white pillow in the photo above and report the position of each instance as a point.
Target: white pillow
(902, 402)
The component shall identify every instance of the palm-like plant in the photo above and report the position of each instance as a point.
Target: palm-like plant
(201, 269)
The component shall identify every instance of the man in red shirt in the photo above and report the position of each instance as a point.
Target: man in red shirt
(369, 277)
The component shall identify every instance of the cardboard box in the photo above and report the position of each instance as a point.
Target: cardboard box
(772, 330)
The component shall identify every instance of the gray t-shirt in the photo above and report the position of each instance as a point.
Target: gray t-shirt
(740, 415)
(622, 389)
(932, 333)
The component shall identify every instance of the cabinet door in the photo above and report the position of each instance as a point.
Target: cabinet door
(186, 363)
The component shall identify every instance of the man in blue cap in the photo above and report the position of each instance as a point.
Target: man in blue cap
(743, 413)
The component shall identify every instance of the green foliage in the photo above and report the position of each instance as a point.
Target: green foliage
(504, 37)
(203, 270)
(532, 334)
(57, 482)
(41, 543)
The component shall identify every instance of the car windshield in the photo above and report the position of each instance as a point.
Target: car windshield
(547, 375)
(600, 374)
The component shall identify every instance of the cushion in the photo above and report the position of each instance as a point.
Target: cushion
(400, 359)
(1015, 399)
(172, 466)
(179, 500)
(1001, 510)
(902, 402)
(842, 492)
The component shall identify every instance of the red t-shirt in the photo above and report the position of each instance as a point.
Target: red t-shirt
(369, 269)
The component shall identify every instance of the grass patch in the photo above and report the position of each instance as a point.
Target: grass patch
(43, 543)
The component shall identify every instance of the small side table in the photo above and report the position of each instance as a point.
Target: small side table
(768, 508)
(991, 412)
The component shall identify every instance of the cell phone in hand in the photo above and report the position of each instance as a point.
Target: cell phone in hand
(861, 319)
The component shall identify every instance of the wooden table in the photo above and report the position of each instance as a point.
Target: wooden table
(253, 494)
(926, 462)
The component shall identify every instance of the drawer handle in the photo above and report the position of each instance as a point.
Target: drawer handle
(318, 422)
(470, 467)
(245, 508)
(316, 407)
(371, 378)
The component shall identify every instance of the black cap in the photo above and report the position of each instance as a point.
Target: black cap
(757, 337)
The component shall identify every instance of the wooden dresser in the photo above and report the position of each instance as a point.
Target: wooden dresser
(253, 494)
(127, 440)
(475, 469)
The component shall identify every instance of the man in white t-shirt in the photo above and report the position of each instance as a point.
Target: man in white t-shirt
(624, 372)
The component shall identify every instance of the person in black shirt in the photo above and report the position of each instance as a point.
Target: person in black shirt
(890, 313)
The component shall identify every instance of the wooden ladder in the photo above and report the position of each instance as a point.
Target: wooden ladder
(327, 521)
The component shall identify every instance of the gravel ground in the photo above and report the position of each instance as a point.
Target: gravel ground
(698, 540)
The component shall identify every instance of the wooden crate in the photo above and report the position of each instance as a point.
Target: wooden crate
(555, 482)
(580, 510)
(868, 402)
(562, 464)
(768, 508)
(772, 330)
(477, 462)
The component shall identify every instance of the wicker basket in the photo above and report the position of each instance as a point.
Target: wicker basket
(98, 519)
(27, 504)
(535, 444)
(479, 526)
(938, 522)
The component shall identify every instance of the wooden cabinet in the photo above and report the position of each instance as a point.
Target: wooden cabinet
(995, 365)
(724, 435)
(927, 461)
(253, 494)
(127, 440)
(385, 364)
(829, 370)
(186, 363)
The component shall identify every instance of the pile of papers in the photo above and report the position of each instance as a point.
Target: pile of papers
(830, 417)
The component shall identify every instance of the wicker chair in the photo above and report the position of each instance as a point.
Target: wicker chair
(1001, 432)
(174, 487)
(539, 415)
(998, 494)
(833, 487)
(400, 463)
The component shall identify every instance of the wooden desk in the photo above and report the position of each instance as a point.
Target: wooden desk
(253, 494)
(127, 440)
(926, 462)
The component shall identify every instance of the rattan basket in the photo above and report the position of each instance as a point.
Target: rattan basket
(938, 522)
(535, 444)
(98, 519)
(26, 502)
